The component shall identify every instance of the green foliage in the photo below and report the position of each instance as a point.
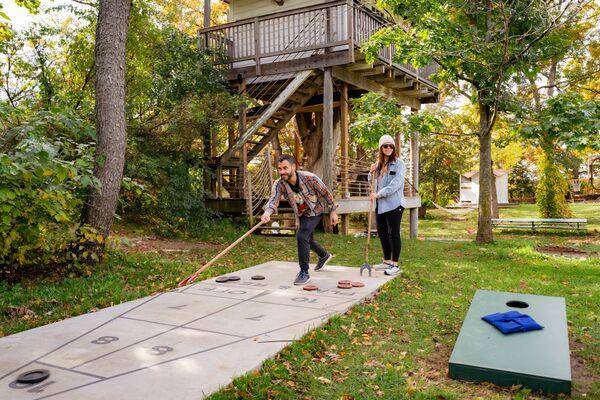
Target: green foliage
(45, 174)
(482, 43)
(520, 181)
(442, 160)
(552, 190)
(167, 194)
(374, 116)
(567, 120)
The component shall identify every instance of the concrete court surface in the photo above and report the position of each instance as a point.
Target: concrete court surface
(182, 344)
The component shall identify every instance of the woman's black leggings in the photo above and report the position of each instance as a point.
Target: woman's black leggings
(388, 230)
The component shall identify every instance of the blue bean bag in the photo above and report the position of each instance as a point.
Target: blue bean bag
(512, 321)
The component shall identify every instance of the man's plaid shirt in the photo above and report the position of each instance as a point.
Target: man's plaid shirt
(317, 196)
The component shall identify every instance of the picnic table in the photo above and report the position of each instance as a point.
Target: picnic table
(578, 224)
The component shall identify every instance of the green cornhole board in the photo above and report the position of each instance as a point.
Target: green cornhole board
(538, 360)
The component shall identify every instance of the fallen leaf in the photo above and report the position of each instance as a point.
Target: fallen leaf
(324, 380)
(523, 285)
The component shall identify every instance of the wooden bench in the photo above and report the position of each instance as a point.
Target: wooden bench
(578, 224)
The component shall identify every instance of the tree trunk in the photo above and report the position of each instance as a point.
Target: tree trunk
(311, 134)
(484, 221)
(111, 42)
(310, 128)
(495, 211)
(276, 145)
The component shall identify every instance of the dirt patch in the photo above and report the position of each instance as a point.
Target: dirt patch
(583, 377)
(563, 251)
(433, 371)
(172, 249)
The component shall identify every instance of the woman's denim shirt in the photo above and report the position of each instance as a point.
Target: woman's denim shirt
(390, 189)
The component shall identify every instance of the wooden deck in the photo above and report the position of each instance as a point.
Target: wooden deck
(323, 35)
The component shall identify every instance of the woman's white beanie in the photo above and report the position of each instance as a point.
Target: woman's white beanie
(386, 139)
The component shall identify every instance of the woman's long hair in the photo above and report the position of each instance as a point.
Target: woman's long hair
(381, 164)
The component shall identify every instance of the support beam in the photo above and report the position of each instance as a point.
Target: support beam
(241, 129)
(317, 107)
(414, 212)
(207, 13)
(344, 121)
(247, 183)
(328, 150)
(345, 75)
(378, 71)
(328, 146)
(297, 142)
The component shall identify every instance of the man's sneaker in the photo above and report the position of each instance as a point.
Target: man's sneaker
(323, 262)
(302, 278)
(393, 270)
(382, 267)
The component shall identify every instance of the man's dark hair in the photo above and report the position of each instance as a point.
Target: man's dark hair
(288, 158)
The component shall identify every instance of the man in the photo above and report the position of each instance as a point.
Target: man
(310, 199)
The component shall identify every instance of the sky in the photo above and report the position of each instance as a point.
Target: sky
(20, 16)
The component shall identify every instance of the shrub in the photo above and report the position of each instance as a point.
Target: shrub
(43, 185)
(552, 190)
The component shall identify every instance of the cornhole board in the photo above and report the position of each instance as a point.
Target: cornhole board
(182, 344)
(538, 360)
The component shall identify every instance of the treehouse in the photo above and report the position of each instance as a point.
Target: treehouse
(298, 63)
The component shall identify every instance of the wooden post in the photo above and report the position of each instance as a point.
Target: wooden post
(270, 164)
(297, 141)
(257, 49)
(241, 177)
(230, 133)
(247, 183)
(206, 13)
(328, 150)
(344, 121)
(219, 182)
(414, 212)
(350, 8)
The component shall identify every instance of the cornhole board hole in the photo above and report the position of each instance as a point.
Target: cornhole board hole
(538, 360)
(182, 344)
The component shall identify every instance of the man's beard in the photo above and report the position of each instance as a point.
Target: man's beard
(286, 177)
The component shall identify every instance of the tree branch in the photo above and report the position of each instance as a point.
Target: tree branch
(85, 3)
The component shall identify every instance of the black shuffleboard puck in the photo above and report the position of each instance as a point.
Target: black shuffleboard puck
(33, 376)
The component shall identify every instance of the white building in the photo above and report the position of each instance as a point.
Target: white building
(469, 187)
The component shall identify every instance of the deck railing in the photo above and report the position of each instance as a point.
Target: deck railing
(339, 26)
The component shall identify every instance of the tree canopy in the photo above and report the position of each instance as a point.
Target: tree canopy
(481, 47)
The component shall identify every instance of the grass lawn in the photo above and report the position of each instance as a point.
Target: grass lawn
(395, 346)
(439, 224)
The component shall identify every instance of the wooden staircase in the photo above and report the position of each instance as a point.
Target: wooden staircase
(264, 123)
(267, 121)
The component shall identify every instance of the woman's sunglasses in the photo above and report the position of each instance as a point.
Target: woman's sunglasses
(387, 146)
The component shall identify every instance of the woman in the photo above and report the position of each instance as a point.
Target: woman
(389, 172)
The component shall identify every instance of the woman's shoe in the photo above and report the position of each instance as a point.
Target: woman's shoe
(393, 270)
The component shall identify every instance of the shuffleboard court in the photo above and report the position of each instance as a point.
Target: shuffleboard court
(184, 344)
